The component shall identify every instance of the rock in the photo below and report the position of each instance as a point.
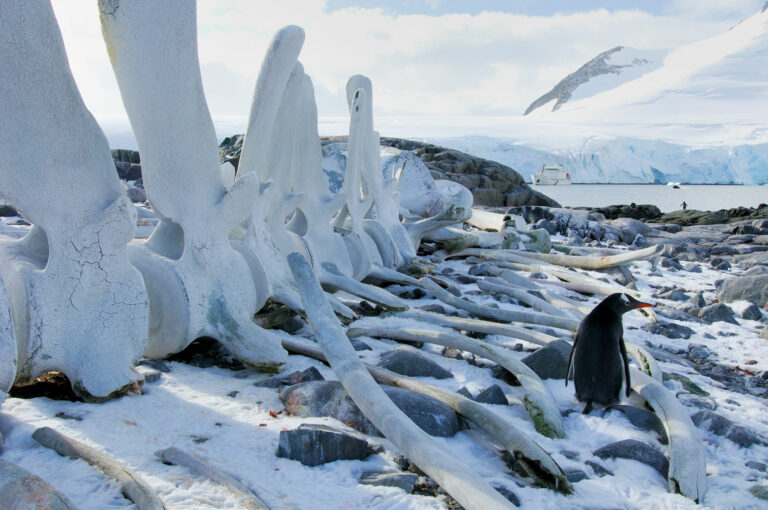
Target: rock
(8, 211)
(753, 288)
(310, 374)
(465, 393)
(674, 295)
(671, 263)
(314, 444)
(752, 271)
(511, 496)
(698, 300)
(359, 345)
(698, 353)
(744, 437)
(694, 217)
(692, 267)
(635, 450)
(550, 362)
(712, 422)
(136, 194)
(598, 469)
(405, 360)
(328, 398)
(757, 466)
(638, 211)
(629, 228)
(751, 313)
(643, 419)
(673, 228)
(669, 330)
(403, 481)
(718, 312)
(492, 395)
(575, 475)
(759, 491)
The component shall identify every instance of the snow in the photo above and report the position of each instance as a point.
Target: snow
(220, 416)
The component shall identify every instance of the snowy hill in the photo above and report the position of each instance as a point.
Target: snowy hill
(604, 72)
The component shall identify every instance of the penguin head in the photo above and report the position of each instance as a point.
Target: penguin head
(622, 303)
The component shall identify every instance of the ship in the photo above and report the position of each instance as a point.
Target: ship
(552, 175)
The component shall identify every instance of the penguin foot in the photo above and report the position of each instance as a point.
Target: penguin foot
(587, 407)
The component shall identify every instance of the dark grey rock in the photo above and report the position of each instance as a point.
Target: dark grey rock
(359, 345)
(674, 295)
(635, 450)
(698, 353)
(718, 312)
(404, 481)
(598, 469)
(757, 466)
(328, 398)
(692, 267)
(752, 313)
(699, 402)
(671, 263)
(136, 194)
(575, 475)
(511, 496)
(314, 444)
(538, 275)
(550, 362)
(569, 454)
(759, 491)
(465, 279)
(465, 393)
(492, 395)
(8, 211)
(669, 330)
(643, 419)
(744, 437)
(310, 374)
(753, 288)
(712, 422)
(698, 300)
(407, 361)
(484, 269)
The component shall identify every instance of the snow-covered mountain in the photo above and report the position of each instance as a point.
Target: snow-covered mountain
(604, 72)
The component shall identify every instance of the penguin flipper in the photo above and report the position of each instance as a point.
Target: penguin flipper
(627, 381)
(570, 360)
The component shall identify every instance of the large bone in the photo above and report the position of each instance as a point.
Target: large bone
(23, 490)
(78, 305)
(578, 261)
(499, 286)
(687, 458)
(131, 484)
(539, 402)
(245, 496)
(466, 486)
(535, 460)
(498, 314)
(199, 284)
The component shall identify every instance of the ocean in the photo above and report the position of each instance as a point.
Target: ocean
(696, 196)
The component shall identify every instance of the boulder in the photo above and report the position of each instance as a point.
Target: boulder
(328, 398)
(404, 481)
(669, 330)
(310, 374)
(315, 444)
(550, 362)
(751, 313)
(635, 450)
(643, 419)
(405, 360)
(492, 395)
(629, 228)
(753, 288)
(717, 312)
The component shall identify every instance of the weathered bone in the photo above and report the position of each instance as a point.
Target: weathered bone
(498, 285)
(539, 402)
(497, 313)
(578, 261)
(21, 489)
(687, 458)
(479, 326)
(199, 284)
(131, 484)
(469, 489)
(535, 460)
(78, 305)
(245, 496)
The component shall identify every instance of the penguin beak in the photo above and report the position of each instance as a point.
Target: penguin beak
(634, 303)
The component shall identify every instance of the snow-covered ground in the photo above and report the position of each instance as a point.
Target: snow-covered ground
(220, 416)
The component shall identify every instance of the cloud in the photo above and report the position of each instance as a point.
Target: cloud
(484, 64)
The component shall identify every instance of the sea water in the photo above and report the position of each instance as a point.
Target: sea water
(704, 197)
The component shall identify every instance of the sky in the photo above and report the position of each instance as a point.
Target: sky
(428, 57)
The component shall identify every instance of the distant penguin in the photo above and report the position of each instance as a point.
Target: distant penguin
(598, 352)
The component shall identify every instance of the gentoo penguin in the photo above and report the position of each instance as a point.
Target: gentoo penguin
(598, 352)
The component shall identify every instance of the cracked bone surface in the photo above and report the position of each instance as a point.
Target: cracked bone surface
(198, 284)
(78, 305)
